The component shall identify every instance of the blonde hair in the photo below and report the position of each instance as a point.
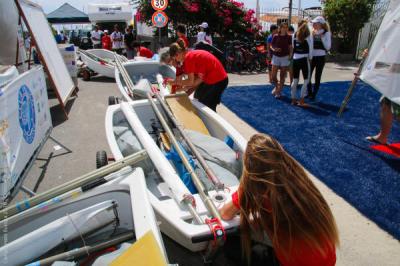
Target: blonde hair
(176, 48)
(326, 27)
(276, 196)
(302, 32)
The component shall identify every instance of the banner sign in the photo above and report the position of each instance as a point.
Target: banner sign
(25, 124)
(382, 67)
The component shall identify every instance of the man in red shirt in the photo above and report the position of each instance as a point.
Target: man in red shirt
(142, 51)
(205, 74)
(106, 41)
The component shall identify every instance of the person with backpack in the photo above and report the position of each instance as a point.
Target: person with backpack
(302, 54)
(322, 40)
(277, 202)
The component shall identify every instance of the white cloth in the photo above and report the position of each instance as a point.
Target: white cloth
(201, 36)
(327, 41)
(117, 39)
(280, 61)
(311, 49)
(96, 35)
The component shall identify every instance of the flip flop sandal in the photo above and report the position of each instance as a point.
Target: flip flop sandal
(374, 140)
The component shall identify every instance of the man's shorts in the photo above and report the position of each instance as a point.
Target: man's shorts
(280, 61)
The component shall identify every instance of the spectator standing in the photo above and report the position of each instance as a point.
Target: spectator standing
(273, 30)
(281, 47)
(322, 44)
(106, 41)
(302, 54)
(204, 34)
(129, 38)
(117, 40)
(96, 37)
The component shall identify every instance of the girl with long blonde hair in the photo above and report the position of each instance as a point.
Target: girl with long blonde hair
(302, 54)
(277, 198)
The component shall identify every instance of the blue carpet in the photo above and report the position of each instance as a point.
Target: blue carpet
(333, 149)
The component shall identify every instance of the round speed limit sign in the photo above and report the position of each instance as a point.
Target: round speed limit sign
(159, 5)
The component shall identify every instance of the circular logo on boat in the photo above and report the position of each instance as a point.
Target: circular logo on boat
(26, 113)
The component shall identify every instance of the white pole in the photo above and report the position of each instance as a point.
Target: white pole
(299, 10)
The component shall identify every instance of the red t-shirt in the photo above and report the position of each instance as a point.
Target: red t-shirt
(185, 40)
(301, 254)
(205, 65)
(106, 42)
(283, 42)
(143, 51)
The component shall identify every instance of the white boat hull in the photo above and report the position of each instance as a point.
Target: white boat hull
(106, 70)
(138, 70)
(165, 197)
(127, 192)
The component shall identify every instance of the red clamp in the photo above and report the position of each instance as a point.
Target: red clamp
(216, 229)
(191, 199)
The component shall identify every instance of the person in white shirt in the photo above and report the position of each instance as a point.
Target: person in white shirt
(96, 37)
(117, 39)
(322, 44)
(204, 34)
(302, 54)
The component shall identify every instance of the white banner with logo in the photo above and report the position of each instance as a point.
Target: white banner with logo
(382, 67)
(25, 124)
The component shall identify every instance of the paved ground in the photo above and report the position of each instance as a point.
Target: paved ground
(362, 242)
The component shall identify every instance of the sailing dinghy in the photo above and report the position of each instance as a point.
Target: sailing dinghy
(181, 207)
(107, 214)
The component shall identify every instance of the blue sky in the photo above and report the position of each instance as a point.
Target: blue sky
(50, 5)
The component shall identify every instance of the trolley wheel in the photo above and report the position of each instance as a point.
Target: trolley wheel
(101, 159)
(112, 100)
(86, 75)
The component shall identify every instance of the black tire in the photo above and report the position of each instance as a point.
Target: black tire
(112, 100)
(101, 159)
(86, 75)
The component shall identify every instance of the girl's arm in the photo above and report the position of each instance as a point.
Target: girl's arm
(191, 81)
(311, 47)
(327, 40)
(228, 211)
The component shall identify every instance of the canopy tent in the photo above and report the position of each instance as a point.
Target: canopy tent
(382, 67)
(67, 14)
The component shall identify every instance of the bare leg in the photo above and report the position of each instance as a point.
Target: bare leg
(386, 123)
(275, 79)
(282, 80)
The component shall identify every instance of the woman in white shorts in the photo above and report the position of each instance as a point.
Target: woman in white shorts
(281, 47)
